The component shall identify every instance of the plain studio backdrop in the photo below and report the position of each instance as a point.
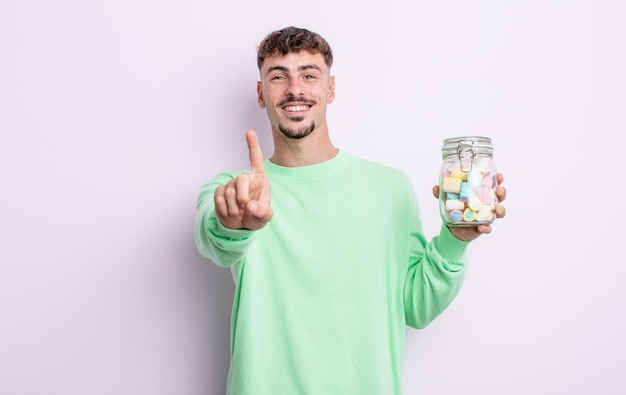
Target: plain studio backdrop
(114, 113)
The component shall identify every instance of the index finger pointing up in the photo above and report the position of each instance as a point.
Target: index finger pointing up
(254, 149)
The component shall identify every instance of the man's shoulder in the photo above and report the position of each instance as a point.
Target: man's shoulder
(375, 164)
(378, 170)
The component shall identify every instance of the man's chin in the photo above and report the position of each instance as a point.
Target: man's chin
(296, 133)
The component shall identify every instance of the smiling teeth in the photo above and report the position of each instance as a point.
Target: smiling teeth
(296, 108)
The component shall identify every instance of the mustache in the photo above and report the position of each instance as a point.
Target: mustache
(295, 100)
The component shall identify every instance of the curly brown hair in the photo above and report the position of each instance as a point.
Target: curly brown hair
(293, 39)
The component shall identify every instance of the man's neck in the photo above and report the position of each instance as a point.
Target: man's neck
(310, 150)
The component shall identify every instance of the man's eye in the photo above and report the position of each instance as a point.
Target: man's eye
(278, 77)
(309, 77)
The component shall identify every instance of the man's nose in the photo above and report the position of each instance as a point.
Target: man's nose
(294, 87)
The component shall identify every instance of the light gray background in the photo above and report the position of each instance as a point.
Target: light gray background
(113, 113)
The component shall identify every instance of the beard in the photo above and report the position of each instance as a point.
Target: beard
(297, 133)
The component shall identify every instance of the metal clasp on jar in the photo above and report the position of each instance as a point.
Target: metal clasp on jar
(466, 154)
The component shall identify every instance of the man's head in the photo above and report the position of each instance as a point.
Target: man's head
(296, 84)
(293, 39)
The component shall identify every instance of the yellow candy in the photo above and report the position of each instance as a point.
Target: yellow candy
(451, 184)
(457, 173)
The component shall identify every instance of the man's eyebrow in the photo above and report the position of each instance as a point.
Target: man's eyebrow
(309, 66)
(279, 68)
(300, 68)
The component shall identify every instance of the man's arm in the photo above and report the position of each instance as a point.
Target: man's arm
(231, 208)
(437, 269)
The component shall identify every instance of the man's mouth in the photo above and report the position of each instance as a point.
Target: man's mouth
(296, 105)
(296, 108)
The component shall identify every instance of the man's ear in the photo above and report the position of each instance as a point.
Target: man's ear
(259, 92)
(331, 89)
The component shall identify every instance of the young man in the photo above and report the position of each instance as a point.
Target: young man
(326, 249)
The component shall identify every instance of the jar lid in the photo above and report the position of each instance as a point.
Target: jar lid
(478, 144)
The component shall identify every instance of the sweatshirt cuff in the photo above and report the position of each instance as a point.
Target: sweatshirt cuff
(449, 246)
(231, 234)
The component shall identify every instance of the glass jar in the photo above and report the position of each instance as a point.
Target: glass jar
(467, 181)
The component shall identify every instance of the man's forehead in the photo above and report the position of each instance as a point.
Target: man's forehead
(295, 61)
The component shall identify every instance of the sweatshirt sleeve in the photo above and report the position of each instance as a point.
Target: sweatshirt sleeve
(435, 273)
(222, 245)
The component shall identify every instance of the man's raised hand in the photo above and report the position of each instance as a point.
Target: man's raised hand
(244, 202)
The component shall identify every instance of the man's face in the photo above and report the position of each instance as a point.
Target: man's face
(295, 90)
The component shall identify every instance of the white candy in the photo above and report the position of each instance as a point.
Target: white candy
(474, 178)
(474, 203)
(454, 204)
(482, 165)
(484, 215)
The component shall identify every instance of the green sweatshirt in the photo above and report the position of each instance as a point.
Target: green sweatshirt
(324, 291)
